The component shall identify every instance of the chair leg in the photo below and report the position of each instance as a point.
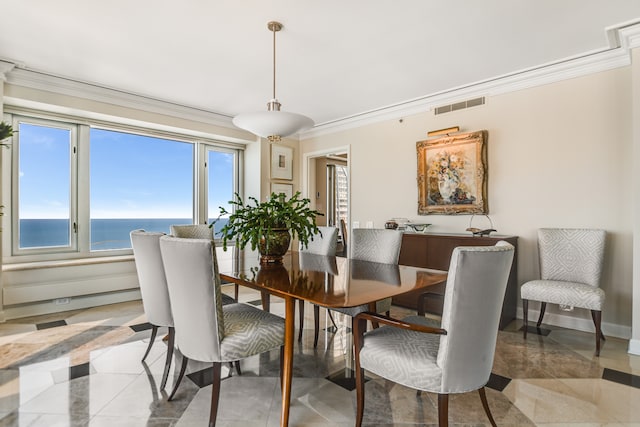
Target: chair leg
(593, 316)
(167, 363)
(443, 410)
(183, 368)
(543, 308)
(597, 321)
(237, 365)
(215, 394)
(485, 405)
(316, 325)
(331, 317)
(358, 333)
(154, 331)
(301, 309)
(236, 291)
(525, 317)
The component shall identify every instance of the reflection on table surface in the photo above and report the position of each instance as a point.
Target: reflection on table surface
(326, 280)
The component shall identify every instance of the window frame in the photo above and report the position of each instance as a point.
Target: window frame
(80, 188)
(73, 188)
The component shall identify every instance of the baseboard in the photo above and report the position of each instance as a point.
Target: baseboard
(634, 347)
(584, 324)
(49, 307)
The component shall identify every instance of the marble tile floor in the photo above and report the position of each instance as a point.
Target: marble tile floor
(82, 368)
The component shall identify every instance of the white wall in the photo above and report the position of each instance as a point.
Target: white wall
(560, 155)
(634, 344)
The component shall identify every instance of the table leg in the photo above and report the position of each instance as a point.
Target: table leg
(266, 300)
(287, 365)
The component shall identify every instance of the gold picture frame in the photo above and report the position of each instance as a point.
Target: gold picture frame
(452, 174)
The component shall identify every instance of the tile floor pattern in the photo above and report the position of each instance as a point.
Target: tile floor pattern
(82, 368)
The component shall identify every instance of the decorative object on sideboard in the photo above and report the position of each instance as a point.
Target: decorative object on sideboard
(452, 174)
(480, 231)
(418, 227)
(402, 223)
(391, 225)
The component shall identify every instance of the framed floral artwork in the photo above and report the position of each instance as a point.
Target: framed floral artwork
(281, 162)
(452, 174)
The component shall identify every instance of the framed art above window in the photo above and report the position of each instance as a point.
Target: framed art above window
(452, 174)
(281, 162)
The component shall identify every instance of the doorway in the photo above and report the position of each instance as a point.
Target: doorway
(326, 181)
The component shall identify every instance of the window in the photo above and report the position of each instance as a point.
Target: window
(46, 208)
(221, 183)
(79, 188)
(137, 182)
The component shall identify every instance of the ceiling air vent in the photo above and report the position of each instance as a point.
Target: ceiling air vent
(459, 105)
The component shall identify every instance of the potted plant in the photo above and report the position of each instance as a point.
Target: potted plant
(269, 225)
(6, 131)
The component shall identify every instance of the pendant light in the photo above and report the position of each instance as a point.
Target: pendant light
(273, 123)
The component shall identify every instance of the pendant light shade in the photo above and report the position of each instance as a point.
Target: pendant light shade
(273, 123)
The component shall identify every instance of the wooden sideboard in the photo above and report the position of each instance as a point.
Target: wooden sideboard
(430, 250)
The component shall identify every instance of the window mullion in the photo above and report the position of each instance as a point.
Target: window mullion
(82, 192)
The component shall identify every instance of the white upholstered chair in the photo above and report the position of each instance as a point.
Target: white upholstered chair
(570, 270)
(201, 231)
(375, 245)
(323, 243)
(455, 357)
(153, 287)
(206, 330)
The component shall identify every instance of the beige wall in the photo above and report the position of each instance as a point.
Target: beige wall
(559, 156)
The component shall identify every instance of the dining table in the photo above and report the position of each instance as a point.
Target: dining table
(327, 281)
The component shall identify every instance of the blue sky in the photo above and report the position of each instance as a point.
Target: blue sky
(132, 176)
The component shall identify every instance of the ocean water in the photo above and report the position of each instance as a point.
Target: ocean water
(105, 233)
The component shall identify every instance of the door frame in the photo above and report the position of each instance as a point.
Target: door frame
(308, 169)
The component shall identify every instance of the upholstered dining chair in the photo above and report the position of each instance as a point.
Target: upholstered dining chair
(207, 330)
(153, 287)
(570, 270)
(322, 243)
(375, 245)
(449, 359)
(201, 231)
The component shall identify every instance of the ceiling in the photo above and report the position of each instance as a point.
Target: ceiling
(335, 59)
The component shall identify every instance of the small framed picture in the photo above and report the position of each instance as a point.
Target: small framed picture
(278, 187)
(281, 162)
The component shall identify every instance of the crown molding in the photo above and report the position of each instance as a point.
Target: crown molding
(62, 86)
(622, 40)
(5, 67)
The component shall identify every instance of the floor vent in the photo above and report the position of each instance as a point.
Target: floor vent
(459, 105)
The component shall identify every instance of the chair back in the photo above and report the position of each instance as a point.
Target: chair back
(476, 285)
(571, 254)
(192, 231)
(196, 302)
(376, 245)
(151, 277)
(323, 243)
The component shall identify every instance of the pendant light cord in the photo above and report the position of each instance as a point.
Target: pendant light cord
(274, 63)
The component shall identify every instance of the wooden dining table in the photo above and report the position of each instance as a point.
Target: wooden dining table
(327, 281)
